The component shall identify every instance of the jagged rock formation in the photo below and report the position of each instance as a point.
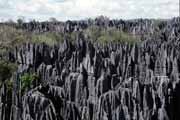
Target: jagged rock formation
(137, 26)
(86, 81)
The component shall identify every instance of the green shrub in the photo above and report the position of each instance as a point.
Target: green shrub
(27, 81)
(10, 37)
(93, 32)
(48, 38)
(6, 70)
(106, 35)
(71, 36)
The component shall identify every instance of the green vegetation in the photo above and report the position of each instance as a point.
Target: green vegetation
(48, 38)
(12, 36)
(27, 81)
(101, 35)
(6, 71)
(71, 36)
(93, 32)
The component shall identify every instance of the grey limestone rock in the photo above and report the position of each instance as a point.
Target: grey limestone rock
(90, 81)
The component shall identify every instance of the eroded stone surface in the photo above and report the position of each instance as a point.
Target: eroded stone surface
(87, 81)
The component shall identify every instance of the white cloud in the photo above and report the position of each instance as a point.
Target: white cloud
(79, 9)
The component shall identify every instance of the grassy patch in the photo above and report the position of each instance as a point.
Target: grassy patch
(10, 37)
(102, 35)
(47, 38)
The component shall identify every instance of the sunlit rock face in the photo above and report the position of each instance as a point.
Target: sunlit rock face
(88, 81)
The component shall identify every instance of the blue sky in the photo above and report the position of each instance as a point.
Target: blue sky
(81, 9)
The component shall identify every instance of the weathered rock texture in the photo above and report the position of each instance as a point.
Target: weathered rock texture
(85, 81)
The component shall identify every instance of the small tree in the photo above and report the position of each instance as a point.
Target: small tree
(6, 70)
(20, 20)
(52, 19)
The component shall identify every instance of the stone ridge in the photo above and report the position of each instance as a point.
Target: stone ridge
(88, 81)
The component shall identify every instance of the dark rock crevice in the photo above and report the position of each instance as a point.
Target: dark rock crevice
(89, 81)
